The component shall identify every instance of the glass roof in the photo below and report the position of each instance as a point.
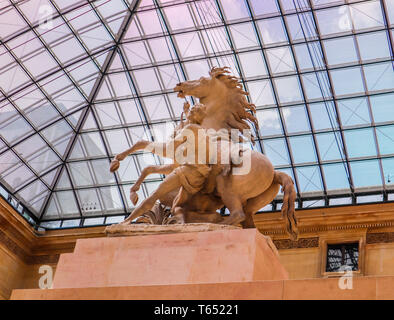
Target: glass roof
(81, 81)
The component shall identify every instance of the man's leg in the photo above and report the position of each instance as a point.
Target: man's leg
(170, 183)
(162, 169)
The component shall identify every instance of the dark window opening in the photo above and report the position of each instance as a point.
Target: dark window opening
(342, 257)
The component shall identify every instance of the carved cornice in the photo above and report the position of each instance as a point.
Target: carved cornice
(321, 228)
(374, 216)
(380, 237)
(8, 244)
(300, 243)
(43, 259)
(371, 238)
(19, 238)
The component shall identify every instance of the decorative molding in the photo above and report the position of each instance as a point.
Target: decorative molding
(371, 238)
(9, 245)
(300, 243)
(321, 228)
(310, 222)
(380, 237)
(43, 259)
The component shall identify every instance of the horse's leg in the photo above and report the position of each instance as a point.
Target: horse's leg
(161, 169)
(232, 201)
(139, 145)
(288, 211)
(258, 202)
(180, 200)
(170, 183)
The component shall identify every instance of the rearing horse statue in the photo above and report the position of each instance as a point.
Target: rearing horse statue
(225, 108)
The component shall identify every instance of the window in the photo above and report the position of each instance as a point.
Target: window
(342, 257)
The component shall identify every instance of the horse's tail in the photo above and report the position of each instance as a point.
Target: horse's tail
(288, 208)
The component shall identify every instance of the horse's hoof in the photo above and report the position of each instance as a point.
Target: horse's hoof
(178, 219)
(114, 165)
(233, 219)
(125, 222)
(134, 197)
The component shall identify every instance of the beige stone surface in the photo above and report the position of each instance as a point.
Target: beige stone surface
(379, 259)
(363, 288)
(368, 288)
(301, 263)
(11, 272)
(178, 258)
(271, 290)
(119, 230)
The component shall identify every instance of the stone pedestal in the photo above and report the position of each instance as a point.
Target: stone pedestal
(212, 265)
(221, 264)
(168, 259)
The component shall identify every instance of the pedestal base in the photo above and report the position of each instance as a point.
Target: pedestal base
(363, 288)
(166, 259)
(168, 265)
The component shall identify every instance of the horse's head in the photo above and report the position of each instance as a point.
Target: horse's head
(224, 98)
(204, 87)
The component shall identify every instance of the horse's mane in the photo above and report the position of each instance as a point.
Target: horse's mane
(242, 111)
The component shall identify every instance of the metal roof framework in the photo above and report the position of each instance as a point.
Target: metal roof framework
(82, 81)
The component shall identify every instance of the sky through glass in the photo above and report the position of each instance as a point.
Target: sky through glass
(81, 81)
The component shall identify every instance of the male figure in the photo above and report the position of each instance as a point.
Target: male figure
(190, 176)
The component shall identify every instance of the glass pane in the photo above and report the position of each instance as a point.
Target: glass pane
(295, 119)
(385, 139)
(272, 31)
(339, 51)
(80, 174)
(323, 115)
(303, 149)
(288, 89)
(360, 143)
(335, 176)
(267, 7)
(276, 151)
(269, 122)
(253, 64)
(111, 199)
(334, 20)
(379, 76)
(89, 202)
(235, 9)
(146, 81)
(261, 93)
(189, 45)
(244, 35)
(373, 45)
(179, 17)
(280, 60)
(328, 146)
(366, 173)
(366, 15)
(309, 179)
(354, 112)
(347, 81)
(382, 107)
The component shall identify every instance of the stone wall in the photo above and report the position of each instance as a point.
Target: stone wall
(23, 251)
